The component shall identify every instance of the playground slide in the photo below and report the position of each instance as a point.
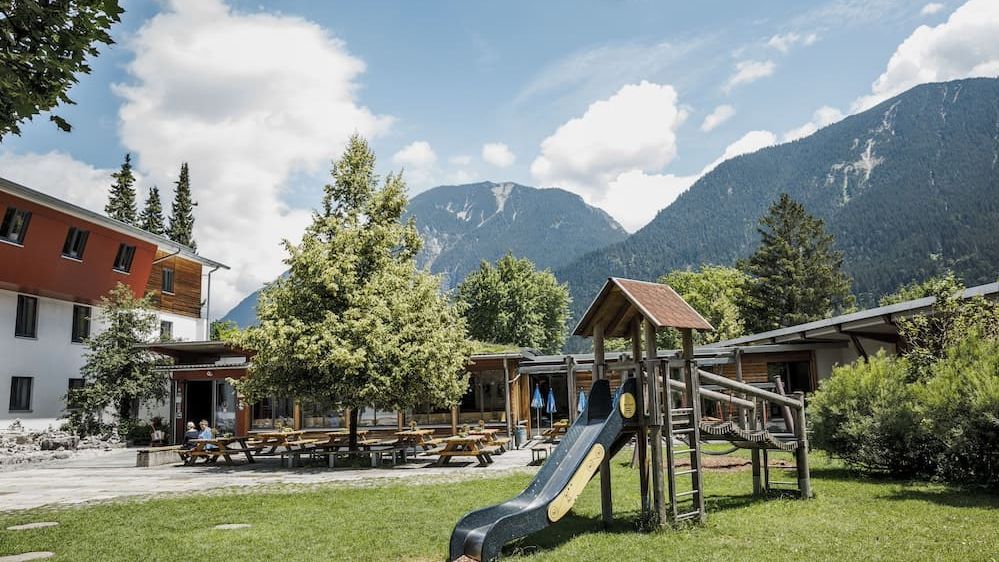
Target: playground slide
(599, 432)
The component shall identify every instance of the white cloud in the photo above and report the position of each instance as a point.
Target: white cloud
(721, 114)
(460, 160)
(498, 154)
(783, 42)
(825, 115)
(749, 71)
(966, 45)
(635, 129)
(418, 161)
(59, 175)
(931, 8)
(249, 99)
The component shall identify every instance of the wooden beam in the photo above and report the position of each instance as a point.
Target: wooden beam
(642, 439)
(860, 347)
(693, 393)
(656, 421)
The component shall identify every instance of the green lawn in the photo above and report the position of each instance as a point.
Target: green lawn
(851, 519)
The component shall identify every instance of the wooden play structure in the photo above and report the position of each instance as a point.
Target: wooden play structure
(658, 404)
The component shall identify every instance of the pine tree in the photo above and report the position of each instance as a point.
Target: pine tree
(121, 202)
(355, 323)
(796, 274)
(182, 212)
(152, 215)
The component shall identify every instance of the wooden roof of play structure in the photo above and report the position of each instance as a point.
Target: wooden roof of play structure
(621, 300)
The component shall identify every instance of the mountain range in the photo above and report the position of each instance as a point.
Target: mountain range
(909, 188)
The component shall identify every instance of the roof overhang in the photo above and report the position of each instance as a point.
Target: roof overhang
(622, 300)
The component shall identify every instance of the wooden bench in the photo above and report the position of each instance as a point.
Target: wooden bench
(483, 454)
(156, 456)
(376, 454)
(502, 443)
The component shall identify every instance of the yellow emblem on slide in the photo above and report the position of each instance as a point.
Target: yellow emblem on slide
(567, 497)
(627, 405)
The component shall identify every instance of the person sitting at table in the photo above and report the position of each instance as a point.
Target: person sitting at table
(207, 433)
(191, 433)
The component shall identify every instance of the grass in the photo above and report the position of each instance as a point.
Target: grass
(852, 518)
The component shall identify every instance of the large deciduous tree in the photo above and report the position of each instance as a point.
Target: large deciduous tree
(116, 373)
(44, 44)
(354, 323)
(796, 274)
(715, 292)
(513, 303)
(182, 212)
(121, 201)
(151, 219)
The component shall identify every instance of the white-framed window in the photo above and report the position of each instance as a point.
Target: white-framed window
(123, 261)
(14, 225)
(76, 243)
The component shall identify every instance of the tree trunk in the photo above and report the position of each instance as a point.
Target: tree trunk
(352, 439)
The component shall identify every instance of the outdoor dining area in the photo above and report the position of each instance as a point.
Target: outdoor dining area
(332, 449)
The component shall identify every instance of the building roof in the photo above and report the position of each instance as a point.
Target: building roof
(874, 323)
(175, 348)
(107, 222)
(621, 300)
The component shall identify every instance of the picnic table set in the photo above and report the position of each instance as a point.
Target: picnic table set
(294, 445)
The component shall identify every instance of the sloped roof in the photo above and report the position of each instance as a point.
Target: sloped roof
(621, 300)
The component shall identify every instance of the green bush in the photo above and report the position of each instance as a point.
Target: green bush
(867, 414)
(961, 411)
(877, 417)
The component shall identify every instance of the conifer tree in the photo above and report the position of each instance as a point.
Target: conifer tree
(354, 323)
(796, 274)
(121, 202)
(152, 214)
(182, 212)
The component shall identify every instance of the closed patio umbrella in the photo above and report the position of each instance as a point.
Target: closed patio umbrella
(581, 403)
(537, 403)
(550, 406)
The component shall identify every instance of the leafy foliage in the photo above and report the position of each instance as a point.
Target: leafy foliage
(932, 413)
(947, 283)
(715, 292)
(116, 373)
(223, 330)
(513, 303)
(121, 201)
(151, 219)
(182, 212)
(354, 323)
(45, 45)
(795, 276)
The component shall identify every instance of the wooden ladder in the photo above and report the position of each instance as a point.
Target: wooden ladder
(684, 423)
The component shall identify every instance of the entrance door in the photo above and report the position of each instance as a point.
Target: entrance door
(198, 401)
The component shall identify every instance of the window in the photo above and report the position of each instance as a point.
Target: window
(14, 225)
(81, 323)
(272, 413)
(167, 280)
(26, 324)
(123, 261)
(20, 394)
(76, 241)
(75, 384)
(166, 330)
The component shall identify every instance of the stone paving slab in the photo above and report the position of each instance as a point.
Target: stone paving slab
(30, 526)
(27, 556)
(114, 475)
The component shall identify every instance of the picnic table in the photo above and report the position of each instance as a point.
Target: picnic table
(470, 446)
(217, 447)
(423, 438)
(556, 431)
(283, 443)
(490, 438)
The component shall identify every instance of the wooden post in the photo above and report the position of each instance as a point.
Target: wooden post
(642, 439)
(738, 377)
(694, 392)
(454, 420)
(804, 475)
(506, 399)
(655, 422)
(570, 383)
(754, 424)
(399, 420)
(296, 415)
(606, 503)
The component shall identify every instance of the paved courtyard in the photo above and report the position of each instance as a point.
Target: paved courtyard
(113, 475)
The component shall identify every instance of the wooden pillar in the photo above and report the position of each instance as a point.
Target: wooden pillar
(804, 475)
(297, 414)
(738, 377)
(655, 422)
(755, 454)
(694, 392)
(454, 420)
(606, 503)
(642, 439)
(507, 397)
(570, 385)
(399, 420)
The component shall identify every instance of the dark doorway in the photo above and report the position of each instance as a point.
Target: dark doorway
(558, 384)
(198, 401)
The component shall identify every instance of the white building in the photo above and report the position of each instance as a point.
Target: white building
(56, 261)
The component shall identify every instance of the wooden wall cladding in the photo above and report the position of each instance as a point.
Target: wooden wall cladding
(186, 297)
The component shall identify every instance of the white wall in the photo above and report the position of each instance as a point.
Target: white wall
(51, 358)
(827, 359)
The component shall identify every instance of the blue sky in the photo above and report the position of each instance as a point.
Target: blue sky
(606, 99)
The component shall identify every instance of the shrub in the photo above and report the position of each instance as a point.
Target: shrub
(867, 414)
(960, 405)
